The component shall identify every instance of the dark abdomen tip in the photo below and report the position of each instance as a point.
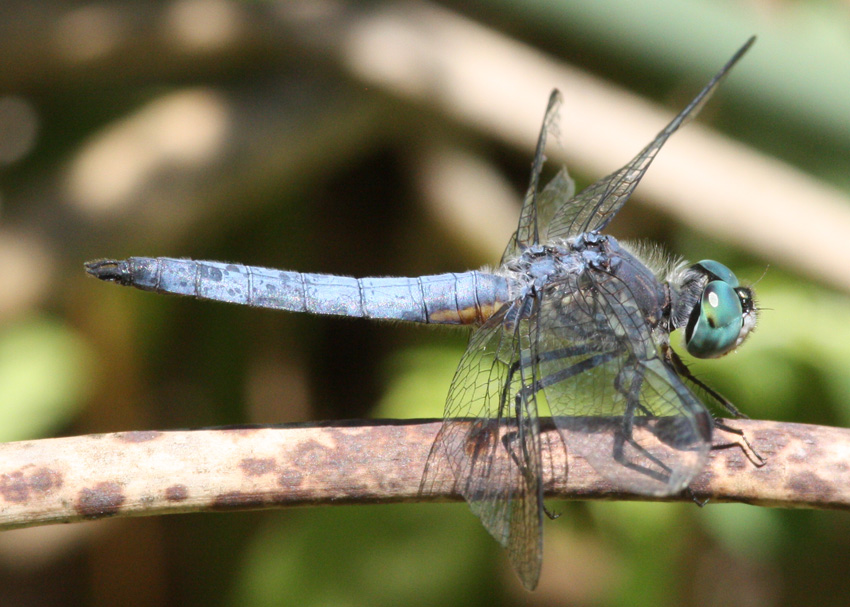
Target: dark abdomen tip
(111, 270)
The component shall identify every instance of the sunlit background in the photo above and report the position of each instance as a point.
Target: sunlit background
(396, 139)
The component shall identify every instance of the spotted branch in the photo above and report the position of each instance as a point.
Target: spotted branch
(145, 473)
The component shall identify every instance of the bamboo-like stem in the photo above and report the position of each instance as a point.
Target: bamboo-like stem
(146, 473)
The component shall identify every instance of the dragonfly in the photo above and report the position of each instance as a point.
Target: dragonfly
(572, 321)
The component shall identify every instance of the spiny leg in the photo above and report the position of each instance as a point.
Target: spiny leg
(558, 354)
(533, 388)
(690, 493)
(756, 458)
(633, 404)
(682, 369)
(536, 386)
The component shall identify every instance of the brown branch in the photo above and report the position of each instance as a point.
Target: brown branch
(145, 473)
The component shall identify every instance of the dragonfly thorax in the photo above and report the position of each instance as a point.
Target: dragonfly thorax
(540, 265)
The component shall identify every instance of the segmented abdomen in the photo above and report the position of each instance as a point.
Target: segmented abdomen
(466, 298)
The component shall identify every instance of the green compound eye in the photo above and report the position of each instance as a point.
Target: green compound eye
(715, 330)
(718, 271)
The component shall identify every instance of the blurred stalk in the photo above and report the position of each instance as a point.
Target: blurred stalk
(798, 70)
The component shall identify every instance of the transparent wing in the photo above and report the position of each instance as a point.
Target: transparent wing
(597, 204)
(560, 191)
(612, 397)
(527, 231)
(488, 448)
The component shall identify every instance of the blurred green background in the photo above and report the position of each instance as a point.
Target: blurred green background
(273, 134)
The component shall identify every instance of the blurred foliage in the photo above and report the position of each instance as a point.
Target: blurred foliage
(394, 563)
(43, 371)
(317, 172)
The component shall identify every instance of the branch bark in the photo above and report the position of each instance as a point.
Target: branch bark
(146, 473)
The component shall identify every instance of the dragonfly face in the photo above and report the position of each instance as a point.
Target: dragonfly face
(573, 320)
(720, 312)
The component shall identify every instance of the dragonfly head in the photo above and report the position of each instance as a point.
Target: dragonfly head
(716, 312)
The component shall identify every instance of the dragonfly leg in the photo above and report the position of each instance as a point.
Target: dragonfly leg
(580, 367)
(754, 456)
(626, 435)
(506, 442)
(682, 369)
(558, 354)
(631, 392)
(699, 502)
(528, 391)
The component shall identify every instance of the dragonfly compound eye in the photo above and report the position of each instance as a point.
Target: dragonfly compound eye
(717, 271)
(715, 322)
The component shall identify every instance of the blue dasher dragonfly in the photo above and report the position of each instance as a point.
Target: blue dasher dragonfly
(572, 320)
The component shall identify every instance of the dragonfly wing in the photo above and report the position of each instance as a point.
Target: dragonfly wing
(597, 204)
(527, 231)
(616, 402)
(488, 448)
(560, 189)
